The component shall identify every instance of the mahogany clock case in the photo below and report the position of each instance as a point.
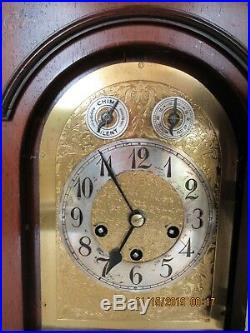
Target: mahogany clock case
(152, 33)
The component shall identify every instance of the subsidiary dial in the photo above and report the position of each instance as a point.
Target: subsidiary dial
(107, 117)
(172, 118)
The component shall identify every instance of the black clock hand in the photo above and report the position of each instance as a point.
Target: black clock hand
(126, 237)
(113, 177)
(136, 220)
(173, 118)
(111, 111)
(115, 256)
(107, 117)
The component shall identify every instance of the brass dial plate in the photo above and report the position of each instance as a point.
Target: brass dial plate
(67, 296)
(138, 184)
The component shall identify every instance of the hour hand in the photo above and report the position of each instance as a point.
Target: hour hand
(115, 258)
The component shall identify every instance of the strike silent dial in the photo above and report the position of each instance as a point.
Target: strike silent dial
(107, 117)
(172, 118)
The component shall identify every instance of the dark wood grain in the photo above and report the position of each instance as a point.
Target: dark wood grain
(31, 18)
(11, 231)
(204, 31)
(24, 28)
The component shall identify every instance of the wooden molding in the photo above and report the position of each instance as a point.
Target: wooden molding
(126, 15)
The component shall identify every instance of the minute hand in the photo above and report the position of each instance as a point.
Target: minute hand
(115, 181)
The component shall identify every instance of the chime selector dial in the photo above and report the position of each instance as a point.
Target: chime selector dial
(107, 117)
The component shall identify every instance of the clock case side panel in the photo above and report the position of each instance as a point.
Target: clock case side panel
(33, 118)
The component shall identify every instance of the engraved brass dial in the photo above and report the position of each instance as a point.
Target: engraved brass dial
(167, 245)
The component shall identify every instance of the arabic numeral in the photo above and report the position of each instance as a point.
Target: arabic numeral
(187, 249)
(191, 186)
(76, 215)
(168, 165)
(103, 167)
(169, 269)
(198, 213)
(84, 188)
(136, 278)
(85, 248)
(106, 260)
(143, 155)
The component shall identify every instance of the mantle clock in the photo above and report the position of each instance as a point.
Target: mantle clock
(124, 192)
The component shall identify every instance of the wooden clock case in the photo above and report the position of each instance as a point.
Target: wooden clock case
(194, 37)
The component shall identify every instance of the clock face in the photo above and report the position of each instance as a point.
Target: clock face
(130, 178)
(131, 262)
